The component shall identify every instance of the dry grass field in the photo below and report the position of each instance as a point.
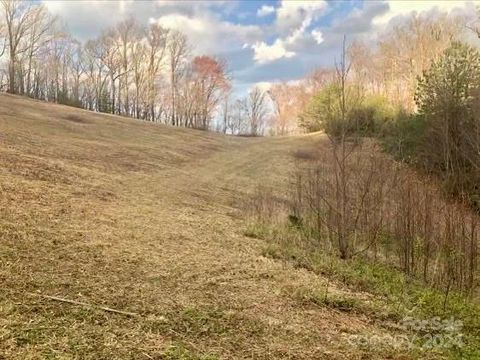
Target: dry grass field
(147, 220)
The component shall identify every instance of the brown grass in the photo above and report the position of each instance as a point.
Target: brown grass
(144, 218)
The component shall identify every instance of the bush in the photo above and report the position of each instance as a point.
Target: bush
(322, 111)
(404, 136)
(365, 115)
(382, 112)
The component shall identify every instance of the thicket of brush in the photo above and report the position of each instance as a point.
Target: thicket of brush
(367, 205)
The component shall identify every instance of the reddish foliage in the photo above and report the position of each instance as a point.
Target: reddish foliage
(206, 67)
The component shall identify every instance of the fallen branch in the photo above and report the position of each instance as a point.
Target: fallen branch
(74, 302)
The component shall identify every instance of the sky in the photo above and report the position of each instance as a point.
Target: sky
(262, 41)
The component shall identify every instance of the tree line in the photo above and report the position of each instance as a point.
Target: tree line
(384, 75)
(144, 72)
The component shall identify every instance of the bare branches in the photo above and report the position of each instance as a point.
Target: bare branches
(256, 111)
(178, 50)
(402, 54)
(387, 214)
(84, 304)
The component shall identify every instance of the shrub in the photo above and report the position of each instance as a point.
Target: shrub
(383, 112)
(322, 110)
(365, 114)
(403, 137)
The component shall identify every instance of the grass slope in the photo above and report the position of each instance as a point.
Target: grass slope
(146, 219)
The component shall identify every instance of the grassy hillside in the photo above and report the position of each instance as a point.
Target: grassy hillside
(146, 220)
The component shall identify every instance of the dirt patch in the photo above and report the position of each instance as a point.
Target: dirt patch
(75, 118)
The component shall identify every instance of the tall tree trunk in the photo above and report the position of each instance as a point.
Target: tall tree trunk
(29, 73)
(11, 74)
(173, 96)
(113, 94)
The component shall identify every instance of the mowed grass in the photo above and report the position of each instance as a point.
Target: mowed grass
(146, 219)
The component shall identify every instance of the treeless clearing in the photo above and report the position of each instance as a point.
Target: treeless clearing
(146, 219)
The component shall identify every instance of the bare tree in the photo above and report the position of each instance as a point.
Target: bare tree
(177, 51)
(127, 32)
(19, 20)
(226, 110)
(139, 55)
(341, 153)
(110, 56)
(98, 73)
(238, 121)
(37, 38)
(78, 70)
(256, 109)
(402, 54)
(157, 40)
(285, 117)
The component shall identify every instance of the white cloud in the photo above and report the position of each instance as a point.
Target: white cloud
(208, 34)
(317, 35)
(292, 14)
(299, 32)
(263, 85)
(293, 19)
(86, 19)
(404, 7)
(264, 53)
(265, 10)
